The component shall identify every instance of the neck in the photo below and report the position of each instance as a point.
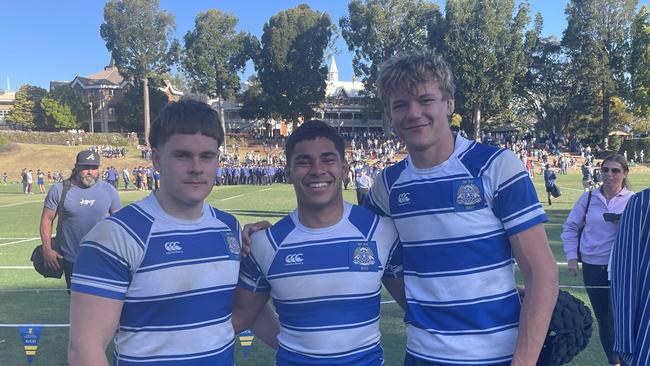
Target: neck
(177, 209)
(610, 192)
(318, 218)
(433, 155)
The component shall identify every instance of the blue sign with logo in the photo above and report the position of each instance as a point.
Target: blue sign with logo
(30, 337)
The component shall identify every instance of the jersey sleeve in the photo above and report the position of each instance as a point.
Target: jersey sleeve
(387, 237)
(251, 275)
(106, 262)
(514, 199)
(53, 196)
(377, 198)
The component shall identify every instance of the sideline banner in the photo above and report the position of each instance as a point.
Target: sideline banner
(246, 341)
(30, 337)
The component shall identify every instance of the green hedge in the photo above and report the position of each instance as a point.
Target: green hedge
(636, 145)
(5, 144)
(64, 138)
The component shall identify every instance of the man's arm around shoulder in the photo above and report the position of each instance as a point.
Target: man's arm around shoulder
(93, 322)
(538, 267)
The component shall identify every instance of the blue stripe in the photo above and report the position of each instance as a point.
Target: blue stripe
(370, 355)
(91, 261)
(527, 225)
(457, 256)
(142, 212)
(328, 313)
(329, 297)
(306, 273)
(128, 230)
(489, 162)
(177, 311)
(194, 231)
(337, 240)
(441, 361)
(227, 219)
(519, 214)
(431, 212)
(483, 235)
(329, 327)
(281, 229)
(96, 291)
(497, 314)
(271, 239)
(427, 181)
(223, 356)
(138, 222)
(519, 175)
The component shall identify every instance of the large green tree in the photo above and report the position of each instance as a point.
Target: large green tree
(27, 112)
(256, 105)
(597, 43)
(485, 47)
(58, 115)
(289, 62)
(214, 55)
(64, 94)
(640, 63)
(375, 30)
(140, 38)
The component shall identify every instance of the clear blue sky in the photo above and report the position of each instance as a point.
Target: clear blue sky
(44, 40)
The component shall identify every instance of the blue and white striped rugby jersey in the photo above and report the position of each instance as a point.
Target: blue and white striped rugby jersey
(326, 285)
(175, 277)
(454, 221)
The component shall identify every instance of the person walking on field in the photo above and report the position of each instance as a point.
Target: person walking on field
(87, 201)
(589, 232)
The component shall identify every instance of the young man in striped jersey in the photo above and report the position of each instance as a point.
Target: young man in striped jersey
(630, 272)
(323, 264)
(463, 210)
(159, 275)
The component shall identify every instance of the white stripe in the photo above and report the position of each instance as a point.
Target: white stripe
(19, 203)
(264, 190)
(19, 241)
(229, 198)
(16, 267)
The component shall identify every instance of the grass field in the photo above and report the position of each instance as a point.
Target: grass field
(27, 298)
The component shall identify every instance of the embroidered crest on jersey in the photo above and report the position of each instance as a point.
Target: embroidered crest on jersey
(469, 194)
(232, 243)
(363, 255)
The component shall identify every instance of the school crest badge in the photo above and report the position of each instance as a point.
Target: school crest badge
(363, 255)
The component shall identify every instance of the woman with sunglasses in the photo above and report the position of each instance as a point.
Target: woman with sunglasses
(591, 230)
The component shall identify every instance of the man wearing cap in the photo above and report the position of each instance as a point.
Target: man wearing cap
(87, 202)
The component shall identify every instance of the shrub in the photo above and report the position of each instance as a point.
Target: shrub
(635, 145)
(65, 138)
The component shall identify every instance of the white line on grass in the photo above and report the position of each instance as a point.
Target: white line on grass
(229, 198)
(19, 241)
(16, 267)
(35, 325)
(264, 190)
(20, 203)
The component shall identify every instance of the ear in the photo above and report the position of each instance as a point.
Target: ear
(451, 104)
(155, 158)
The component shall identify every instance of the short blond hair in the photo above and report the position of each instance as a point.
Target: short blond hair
(408, 69)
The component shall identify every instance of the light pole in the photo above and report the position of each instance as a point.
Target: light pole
(92, 122)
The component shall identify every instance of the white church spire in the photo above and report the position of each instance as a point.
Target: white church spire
(333, 73)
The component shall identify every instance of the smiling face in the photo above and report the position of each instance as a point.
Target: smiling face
(187, 166)
(317, 170)
(421, 119)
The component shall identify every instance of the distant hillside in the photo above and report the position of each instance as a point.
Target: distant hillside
(56, 157)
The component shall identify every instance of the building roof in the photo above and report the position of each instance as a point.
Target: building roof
(335, 87)
(109, 77)
(7, 96)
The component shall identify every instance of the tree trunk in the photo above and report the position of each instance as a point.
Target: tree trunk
(476, 119)
(145, 96)
(222, 119)
(606, 104)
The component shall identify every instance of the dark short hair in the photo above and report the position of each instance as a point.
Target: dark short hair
(186, 117)
(311, 130)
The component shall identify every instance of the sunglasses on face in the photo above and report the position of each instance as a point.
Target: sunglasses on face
(614, 170)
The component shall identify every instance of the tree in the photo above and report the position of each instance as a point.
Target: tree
(27, 112)
(214, 55)
(290, 64)
(58, 116)
(376, 30)
(640, 62)
(597, 43)
(130, 110)
(484, 45)
(256, 105)
(140, 38)
(64, 94)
